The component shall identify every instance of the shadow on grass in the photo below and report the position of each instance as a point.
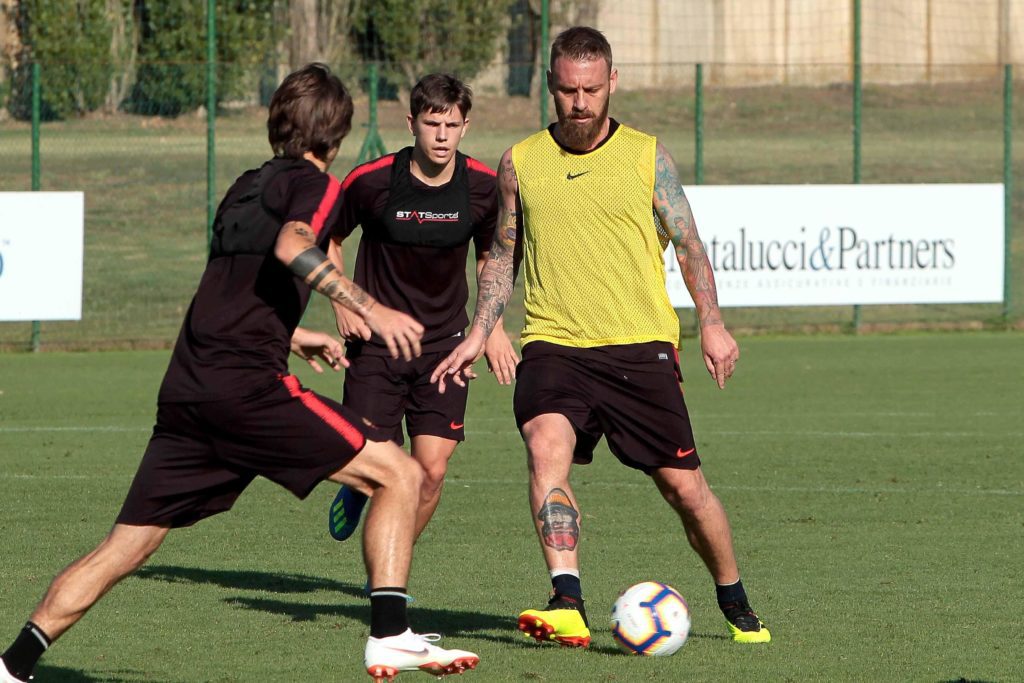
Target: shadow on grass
(448, 622)
(249, 580)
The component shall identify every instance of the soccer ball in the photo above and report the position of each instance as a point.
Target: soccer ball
(650, 618)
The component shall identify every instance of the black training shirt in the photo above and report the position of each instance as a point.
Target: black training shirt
(412, 255)
(237, 333)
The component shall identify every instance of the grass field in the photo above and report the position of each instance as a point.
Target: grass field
(875, 486)
(145, 184)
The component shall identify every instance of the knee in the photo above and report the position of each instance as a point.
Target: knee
(433, 475)
(404, 474)
(688, 495)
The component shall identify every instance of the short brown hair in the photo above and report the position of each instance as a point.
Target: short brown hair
(311, 111)
(581, 44)
(437, 93)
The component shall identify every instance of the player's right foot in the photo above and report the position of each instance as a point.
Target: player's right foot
(563, 621)
(744, 625)
(344, 514)
(408, 651)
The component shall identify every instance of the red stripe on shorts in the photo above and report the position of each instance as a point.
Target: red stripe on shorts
(312, 402)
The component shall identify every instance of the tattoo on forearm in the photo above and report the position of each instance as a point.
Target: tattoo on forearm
(329, 282)
(305, 263)
(559, 527)
(324, 272)
(673, 210)
(495, 281)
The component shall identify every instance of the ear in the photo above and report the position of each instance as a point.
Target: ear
(410, 119)
(551, 84)
(465, 127)
(613, 79)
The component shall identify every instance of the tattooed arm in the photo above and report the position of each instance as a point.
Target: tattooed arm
(350, 324)
(495, 280)
(673, 211)
(296, 248)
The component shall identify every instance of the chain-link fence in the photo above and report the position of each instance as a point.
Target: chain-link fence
(776, 105)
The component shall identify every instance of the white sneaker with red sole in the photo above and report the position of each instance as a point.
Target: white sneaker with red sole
(408, 651)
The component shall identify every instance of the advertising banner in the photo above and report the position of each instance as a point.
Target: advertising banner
(826, 245)
(41, 244)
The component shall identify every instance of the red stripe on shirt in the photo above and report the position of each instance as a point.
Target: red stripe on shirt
(474, 165)
(335, 421)
(326, 204)
(367, 168)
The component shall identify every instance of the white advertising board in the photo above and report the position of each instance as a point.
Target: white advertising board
(41, 243)
(821, 245)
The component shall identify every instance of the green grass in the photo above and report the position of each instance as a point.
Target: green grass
(145, 185)
(875, 488)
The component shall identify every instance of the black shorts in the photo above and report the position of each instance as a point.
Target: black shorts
(383, 390)
(202, 455)
(630, 394)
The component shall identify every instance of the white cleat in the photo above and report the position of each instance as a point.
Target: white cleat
(6, 676)
(408, 651)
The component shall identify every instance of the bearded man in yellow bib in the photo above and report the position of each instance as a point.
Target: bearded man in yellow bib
(599, 351)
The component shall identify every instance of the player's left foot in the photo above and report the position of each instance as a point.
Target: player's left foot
(6, 676)
(346, 509)
(744, 625)
(563, 621)
(408, 651)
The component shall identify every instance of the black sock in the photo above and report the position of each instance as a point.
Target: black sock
(388, 615)
(21, 657)
(732, 593)
(568, 585)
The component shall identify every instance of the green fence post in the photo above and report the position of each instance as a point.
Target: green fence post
(1007, 188)
(373, 145)
(545, 26)
(698, 126)
(211, 116)
(36, 168)
(857, 93)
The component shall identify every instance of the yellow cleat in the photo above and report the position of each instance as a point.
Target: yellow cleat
(563, 621)
(744, 625)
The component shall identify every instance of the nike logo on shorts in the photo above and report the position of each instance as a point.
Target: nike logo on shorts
(458, 426)
(682, 454)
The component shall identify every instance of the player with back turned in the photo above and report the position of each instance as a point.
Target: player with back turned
(600, 337)
(229, 411)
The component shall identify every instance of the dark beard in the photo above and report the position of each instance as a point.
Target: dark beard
(580, 137)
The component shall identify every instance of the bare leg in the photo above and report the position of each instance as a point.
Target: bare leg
(704, 519)
(433, 454)
(382, 470)
(550, 440)
(85, 581)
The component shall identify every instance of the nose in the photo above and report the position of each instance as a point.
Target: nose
(442, 133)
(578, 102)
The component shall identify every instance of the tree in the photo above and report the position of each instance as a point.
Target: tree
(70, 40)
(171, 77)
(413, 37)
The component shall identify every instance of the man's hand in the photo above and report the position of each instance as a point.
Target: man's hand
(501, 356)
(399, 331)
(720, 352)
(351, 325)
(310, 345)
(458, 365)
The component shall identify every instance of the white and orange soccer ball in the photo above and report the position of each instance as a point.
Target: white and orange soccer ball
(651, 619)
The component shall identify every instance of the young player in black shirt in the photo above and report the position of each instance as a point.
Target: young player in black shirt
(419, 210)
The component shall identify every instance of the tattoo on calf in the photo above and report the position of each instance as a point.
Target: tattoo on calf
(559, 528)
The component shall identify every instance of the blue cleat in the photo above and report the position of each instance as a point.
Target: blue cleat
(345, 511)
